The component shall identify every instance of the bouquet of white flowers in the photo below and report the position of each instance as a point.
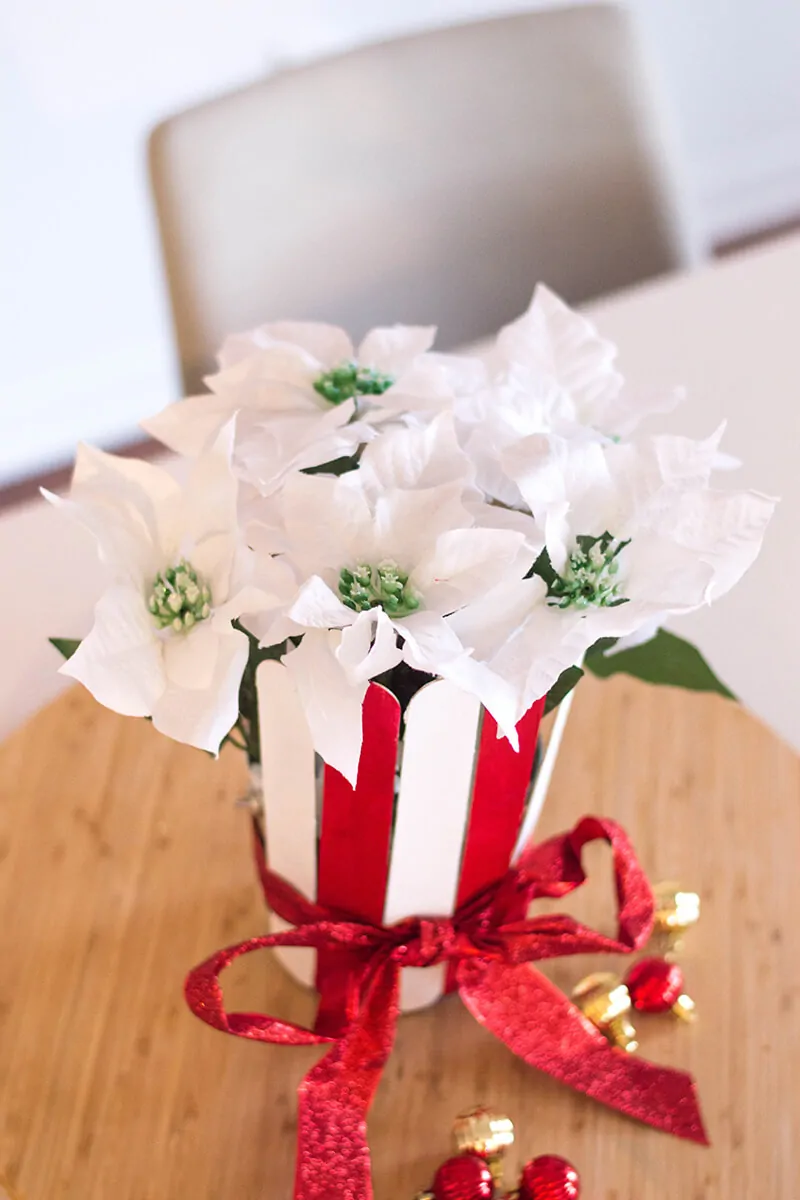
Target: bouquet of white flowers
(392, 514)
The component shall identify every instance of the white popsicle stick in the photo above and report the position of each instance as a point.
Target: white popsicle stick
(290, 803)
(441, 735)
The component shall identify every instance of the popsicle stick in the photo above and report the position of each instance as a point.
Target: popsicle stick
(290, 817)
(433, 806)
(502, 780)
(354, 845)
(357, 822)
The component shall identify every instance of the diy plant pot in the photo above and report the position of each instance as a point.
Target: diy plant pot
(440, 810)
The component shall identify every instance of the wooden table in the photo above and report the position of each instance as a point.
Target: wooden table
(124, 862)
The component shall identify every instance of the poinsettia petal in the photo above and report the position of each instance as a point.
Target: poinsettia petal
(304, 348)
(122, 502)
(327, 522)
(369, 646)
(432, 384)
(406, 524)
(465, 564)
(189, 426)
(724, 529)
(567, 485)
(203, 716)
(537, 651)
(317, 607)
(210, 494)
(125, 543)
(494, 516)
(190, 658)
(120, 661)
(431, 645)
(422, 456)
(331, 702)
(267, 451)
(392, 349)
(485, 625)
(619, 416)
(550, 337)
(266, 584)
(110, 470)
(493, 691)
(328, 344)
(429, 642)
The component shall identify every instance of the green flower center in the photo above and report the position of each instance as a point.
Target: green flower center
(589, 578)
(180, 598)
(349, 380)
(384, 586)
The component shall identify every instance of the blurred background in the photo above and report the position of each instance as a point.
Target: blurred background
(88, 343)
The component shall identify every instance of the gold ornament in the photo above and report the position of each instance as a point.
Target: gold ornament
(684, 1007)
(487, 1133)
(605, 1000)
(675, 912)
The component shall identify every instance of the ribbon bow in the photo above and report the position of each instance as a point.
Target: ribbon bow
(489, 945)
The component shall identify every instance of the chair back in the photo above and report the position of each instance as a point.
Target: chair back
(431, 179)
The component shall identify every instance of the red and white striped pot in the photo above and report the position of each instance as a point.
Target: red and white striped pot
(433, 819)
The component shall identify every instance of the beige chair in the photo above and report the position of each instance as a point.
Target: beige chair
(432, 179)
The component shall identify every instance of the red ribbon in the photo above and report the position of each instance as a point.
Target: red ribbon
(489, 943)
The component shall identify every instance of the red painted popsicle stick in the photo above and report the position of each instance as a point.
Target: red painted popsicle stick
(502, 779)
(356, 836)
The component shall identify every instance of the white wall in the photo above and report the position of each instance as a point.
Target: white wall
(86, 346)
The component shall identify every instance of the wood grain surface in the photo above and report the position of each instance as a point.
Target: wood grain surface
(124, 861)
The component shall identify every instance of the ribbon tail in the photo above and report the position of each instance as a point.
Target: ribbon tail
(540, 1025)
(335, 1096)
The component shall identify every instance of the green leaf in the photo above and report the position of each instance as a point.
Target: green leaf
(562, 687)
(337, 466)
(665, 659)
(600, 646)
(544, 569)
(65, 646)
(275, 653)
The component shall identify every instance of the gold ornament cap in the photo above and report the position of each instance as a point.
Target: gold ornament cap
(605, 1001)
(676, 910)
(483, 1131)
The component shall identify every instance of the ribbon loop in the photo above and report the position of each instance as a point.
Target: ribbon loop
(491, 943)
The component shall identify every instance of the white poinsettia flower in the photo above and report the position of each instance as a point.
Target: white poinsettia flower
(305, 396)
(390, 367)
(375, 576)
(633, 531)
(279, 428)
(162, 644)
(547, 372)
(551, 342)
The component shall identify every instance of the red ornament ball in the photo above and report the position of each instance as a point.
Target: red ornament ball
(655, 985)
(549, 1178)
(465, 1177)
